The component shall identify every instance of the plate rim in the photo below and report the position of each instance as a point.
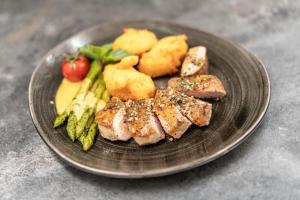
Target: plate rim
(156, 172)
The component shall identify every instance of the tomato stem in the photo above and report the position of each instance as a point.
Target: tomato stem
(71, 58)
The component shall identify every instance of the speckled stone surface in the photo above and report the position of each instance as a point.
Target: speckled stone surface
(266, 166)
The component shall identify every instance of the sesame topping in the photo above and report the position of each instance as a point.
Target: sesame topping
(188, 84)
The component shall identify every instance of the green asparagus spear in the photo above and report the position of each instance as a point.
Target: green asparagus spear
(95, 85)
(99, 91)
(106, 96)
(82, 122)
(91, 76)
(85, 131)
(88, 140)
(60, 119)
(90, 121)
(100, 105)
(101, 79)
(71, 126)
(80, 139)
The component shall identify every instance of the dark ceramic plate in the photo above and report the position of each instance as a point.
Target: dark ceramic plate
(245, 79)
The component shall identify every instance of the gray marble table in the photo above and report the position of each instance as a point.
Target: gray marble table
(266, 166)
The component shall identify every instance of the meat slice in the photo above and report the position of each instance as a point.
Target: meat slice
(200, 86)
(142, 123)
(111, 121)
(197, 111)
(195, 62)
(169, 115)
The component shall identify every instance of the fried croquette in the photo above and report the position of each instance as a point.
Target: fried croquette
(135, 41)
(165, 57)
(124, 81)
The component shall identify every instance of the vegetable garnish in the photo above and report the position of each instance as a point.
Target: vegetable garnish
(78, 100)
(96, 52)
(104, 53)
(92, 95)
(115, 56)
(75, 67)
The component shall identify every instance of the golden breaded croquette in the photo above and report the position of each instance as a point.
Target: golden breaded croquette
(135, 41)
(124, 81)
(165, 57)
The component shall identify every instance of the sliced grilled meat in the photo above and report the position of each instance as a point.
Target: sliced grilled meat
(195, 62)
(111, 121)
(142, 123)
(197, 111)
(200, 86)
(169, 115)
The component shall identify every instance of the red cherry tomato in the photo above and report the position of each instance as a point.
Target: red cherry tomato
(74, 68)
